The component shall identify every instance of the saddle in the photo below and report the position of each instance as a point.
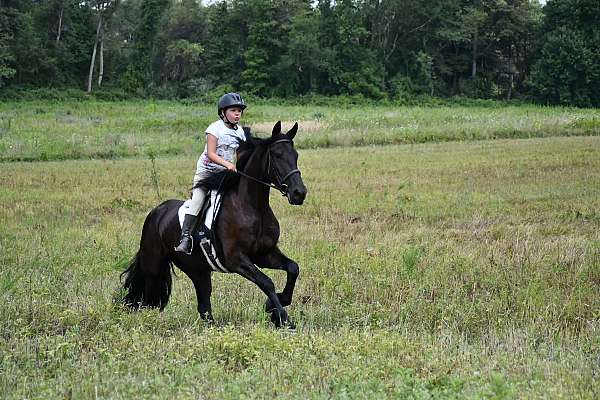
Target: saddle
(203, 233)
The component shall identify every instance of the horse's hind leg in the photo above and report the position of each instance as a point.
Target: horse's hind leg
(203, 285)
(278, 260)
(203, 292)
(201, 278)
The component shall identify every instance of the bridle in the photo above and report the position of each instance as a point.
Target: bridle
(280, 184)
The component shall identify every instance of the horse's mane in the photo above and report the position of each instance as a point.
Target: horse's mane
(225, 180)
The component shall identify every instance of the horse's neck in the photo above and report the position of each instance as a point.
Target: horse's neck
(252, 193)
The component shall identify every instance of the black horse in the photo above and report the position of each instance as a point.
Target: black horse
(246, 229)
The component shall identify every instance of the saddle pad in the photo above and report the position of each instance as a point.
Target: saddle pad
(215, 198)
(201, 235)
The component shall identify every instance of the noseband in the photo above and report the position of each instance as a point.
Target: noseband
(280, 184)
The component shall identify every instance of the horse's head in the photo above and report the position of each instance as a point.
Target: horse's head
(283, 162)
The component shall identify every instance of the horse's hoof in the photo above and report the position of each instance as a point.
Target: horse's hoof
(207, 318)
(289, 325)
(275, 318)
(280, 322)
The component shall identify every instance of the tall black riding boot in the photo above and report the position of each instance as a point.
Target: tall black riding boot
(186, 244)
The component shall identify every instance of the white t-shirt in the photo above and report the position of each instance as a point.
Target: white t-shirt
(228, 140)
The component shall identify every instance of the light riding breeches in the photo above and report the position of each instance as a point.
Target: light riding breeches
(198, 196)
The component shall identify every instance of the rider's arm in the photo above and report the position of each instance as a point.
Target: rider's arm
(211, 146)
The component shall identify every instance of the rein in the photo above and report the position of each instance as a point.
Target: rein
(281, 185)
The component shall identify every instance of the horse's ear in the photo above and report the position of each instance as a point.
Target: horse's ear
(247, 131)
(292, 132)
(277, 129)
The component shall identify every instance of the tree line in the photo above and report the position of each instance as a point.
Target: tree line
(394, 49)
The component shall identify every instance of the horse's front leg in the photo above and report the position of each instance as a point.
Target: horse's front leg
(251, 272)
(277, 260)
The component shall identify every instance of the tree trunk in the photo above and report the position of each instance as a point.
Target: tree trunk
(93, 61)
(474, 60)
(101, 70)
(511, 76)
(60, 18)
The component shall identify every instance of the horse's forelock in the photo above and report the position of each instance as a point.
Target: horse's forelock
(247, 148)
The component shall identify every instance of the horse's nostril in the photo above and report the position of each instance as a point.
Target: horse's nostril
(298, 196)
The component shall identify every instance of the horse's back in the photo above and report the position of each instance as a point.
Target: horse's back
(169, 205)
(163, 221)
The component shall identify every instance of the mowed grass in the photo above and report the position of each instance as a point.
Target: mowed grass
(445, 270)
(89, 129)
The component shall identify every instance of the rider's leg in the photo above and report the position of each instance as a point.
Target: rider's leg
(189, 221)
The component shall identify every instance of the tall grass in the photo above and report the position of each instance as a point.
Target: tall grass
(47, 130)
(445, 270)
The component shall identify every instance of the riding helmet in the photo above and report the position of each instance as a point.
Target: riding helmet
(230, 100)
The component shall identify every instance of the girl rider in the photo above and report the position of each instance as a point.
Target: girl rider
(223, 137)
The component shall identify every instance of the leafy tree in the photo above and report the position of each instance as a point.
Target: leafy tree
(23, 52)
(267, 36)
(181, 60)
(567, 70)
(227, 41)
(352, 67)
(179, 44)
(65, 32)
(304, 59)
(103, 9)
(405, 34)
(371, 48)
(120, 39)
(7, 57)
(139, 72)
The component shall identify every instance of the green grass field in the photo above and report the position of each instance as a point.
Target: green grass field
(450, 269)
(32, 131)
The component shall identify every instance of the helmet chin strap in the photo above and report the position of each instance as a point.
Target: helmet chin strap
(227, 121)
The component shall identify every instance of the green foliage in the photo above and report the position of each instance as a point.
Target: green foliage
(423, 73)
(139, 72)
(285, 48)
(68, 50)
(6, 59)
(353, 68)
(24, 55)
(567, 71)
(225, 46)
(182, 59)
(303, 56)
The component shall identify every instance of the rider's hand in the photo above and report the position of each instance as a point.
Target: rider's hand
(231, 167)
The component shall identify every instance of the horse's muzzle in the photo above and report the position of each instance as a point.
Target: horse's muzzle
(296, 195)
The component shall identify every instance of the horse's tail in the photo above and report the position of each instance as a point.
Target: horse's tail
(134, 284)
(148, 278)
(144, 289)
